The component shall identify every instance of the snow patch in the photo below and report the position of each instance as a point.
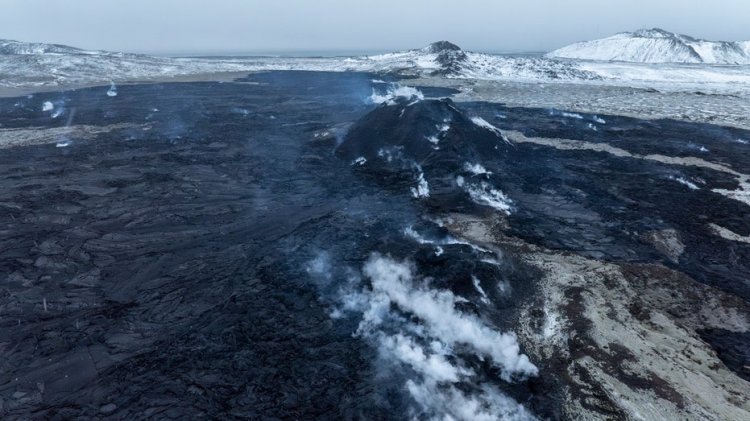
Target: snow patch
(551, 325)
(479, 121)
(685, 182)
(572, 115)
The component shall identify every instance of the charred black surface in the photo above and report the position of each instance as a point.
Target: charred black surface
(733, 349)
(432, 137)
(143, 273)
(616, 200)
(161, 270)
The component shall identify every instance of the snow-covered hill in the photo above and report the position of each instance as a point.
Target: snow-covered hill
(31, 66)
(446, 59)
(657, 46)
(8, 47)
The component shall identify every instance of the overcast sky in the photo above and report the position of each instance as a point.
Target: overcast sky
(234, 26)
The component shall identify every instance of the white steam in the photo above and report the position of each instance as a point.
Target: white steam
(112, 90)
(487, 404)
(478, 286)
(572, 115)
(476, 169)
(394, 92)
(393, 285)
(422, 189)
(484, 194)
(422, 337)
(419, 329)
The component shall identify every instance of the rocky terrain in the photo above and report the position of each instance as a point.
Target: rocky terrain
(349, 245)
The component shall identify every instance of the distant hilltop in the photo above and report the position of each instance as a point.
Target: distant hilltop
(10, 47)
(657, 46)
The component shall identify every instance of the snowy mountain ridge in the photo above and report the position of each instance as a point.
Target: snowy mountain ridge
(446, 59)
(30, 66)
(11, 47)
(657, 46)
(35, 64)
(19, 48)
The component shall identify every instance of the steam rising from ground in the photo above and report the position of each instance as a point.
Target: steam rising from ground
(394, 92)
(419, 331)
(484, 193)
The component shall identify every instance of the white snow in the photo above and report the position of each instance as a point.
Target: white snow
(48, 106)
(656, 46)
(689, 184)
(479, 121)
(48, 65)
(551, 325)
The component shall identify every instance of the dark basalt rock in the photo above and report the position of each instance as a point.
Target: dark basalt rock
(441, 46)
(450, 57)
(451, 62)
(733, 348)
(432, 136)
(160, 272)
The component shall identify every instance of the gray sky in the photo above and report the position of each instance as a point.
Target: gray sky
(233, 26)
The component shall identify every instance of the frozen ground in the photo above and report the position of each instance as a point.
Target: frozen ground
(657, 46)
(32, 66)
